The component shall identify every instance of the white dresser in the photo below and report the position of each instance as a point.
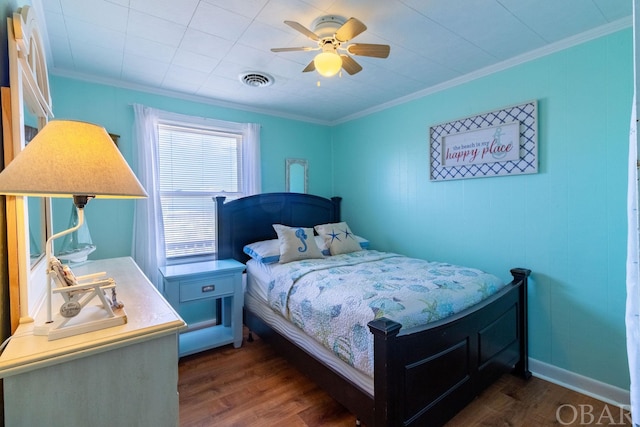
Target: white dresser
(120, 376)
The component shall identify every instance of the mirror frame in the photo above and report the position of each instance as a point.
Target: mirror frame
(288, 164)
(29, 89)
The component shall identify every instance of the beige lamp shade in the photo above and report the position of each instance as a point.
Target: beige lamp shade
(68, 158)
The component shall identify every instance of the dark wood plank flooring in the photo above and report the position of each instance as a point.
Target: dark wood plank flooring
(253, 386)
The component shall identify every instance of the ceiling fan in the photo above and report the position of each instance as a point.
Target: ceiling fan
(331, 33)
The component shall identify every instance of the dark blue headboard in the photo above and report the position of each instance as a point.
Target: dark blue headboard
(250, 219)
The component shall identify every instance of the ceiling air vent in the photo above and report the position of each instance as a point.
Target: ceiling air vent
(255, 79)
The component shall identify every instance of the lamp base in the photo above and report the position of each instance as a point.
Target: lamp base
(90, 319)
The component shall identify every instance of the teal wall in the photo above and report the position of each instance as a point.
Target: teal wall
(567, 223)
(111, 221)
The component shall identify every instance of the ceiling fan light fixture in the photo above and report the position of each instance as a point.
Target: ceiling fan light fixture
(328, 64)
(330, 33)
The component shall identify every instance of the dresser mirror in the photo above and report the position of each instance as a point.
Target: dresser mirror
(28, 218)
(296, 175)
(36, 206)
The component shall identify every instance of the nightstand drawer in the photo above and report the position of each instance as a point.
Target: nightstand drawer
(206, 288)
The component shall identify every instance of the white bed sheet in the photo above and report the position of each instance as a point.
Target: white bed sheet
(258, 279)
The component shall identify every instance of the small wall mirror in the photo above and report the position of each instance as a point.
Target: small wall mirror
(296, 175)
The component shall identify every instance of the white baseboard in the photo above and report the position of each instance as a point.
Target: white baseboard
(576, 382)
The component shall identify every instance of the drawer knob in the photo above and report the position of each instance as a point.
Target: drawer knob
(209, 288)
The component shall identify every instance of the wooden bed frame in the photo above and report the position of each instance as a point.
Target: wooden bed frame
(423, 375)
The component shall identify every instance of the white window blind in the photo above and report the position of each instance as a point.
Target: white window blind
(195, 165)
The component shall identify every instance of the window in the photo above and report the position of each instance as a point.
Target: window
(201, 158)
(196, 163)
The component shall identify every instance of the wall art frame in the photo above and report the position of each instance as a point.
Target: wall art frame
(497, 143)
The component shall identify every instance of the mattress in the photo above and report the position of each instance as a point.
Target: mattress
(333, 299)
(258, 279)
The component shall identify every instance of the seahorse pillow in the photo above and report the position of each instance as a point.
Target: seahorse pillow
(296, 243)
(338, 238)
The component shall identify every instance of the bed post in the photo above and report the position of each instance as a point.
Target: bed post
(522, 367)
(384, 334)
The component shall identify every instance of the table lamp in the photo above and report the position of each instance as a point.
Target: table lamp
(79, 160)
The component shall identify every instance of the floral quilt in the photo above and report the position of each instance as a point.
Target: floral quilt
(333, 299)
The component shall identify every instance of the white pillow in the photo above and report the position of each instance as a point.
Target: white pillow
(266, 251)
(296, 243)
(338, 238)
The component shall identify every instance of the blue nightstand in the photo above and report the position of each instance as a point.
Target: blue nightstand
(190, 288)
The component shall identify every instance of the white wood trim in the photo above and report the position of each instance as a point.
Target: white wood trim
(576, 382)
(29, 89)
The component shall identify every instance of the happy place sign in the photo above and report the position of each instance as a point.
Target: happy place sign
(486, 145)
(496, 143)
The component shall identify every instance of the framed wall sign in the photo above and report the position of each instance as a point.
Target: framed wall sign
(502, 142)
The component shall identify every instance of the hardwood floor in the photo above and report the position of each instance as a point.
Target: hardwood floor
(253, 386)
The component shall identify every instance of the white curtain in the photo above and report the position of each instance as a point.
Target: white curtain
(148, 230)
(633, 271)
(633, 276)
(633, 244)
(148, 238)
(252, 173)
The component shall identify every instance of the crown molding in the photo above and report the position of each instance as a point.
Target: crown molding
(549, 49)
(179, 95)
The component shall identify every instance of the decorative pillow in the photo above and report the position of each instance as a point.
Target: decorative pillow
(266, 251)
(296, 243)
(339, 238)
(364, 244)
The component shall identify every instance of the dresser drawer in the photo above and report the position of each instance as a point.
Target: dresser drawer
(206, 288)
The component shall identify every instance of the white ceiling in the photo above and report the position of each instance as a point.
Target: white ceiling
(198, 48)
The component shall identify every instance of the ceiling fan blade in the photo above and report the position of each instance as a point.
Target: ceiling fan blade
(349, 30)
(350, 65)
(301, 28)
(309, 67)
(293, 49)
(365, 49)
